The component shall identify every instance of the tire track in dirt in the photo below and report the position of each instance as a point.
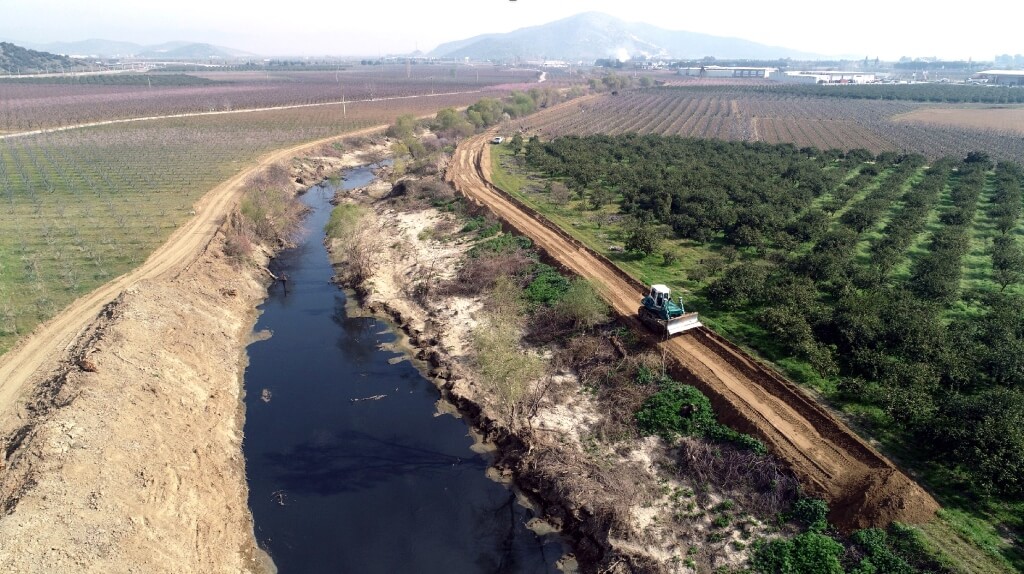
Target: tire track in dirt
(50, 340)
(862, 486)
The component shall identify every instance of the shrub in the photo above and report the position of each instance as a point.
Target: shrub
(807, 553)
(344, 221)
(773, 557)
(815, 553)
(811, 513)
(403, 127)
(676, 409)
(238, 243)
(548, 286)
(479, 274)
(271, 214)
(642, 237)
(682, 410)
(581, 305)
(503, 366)
(504, 243)
(880, 557)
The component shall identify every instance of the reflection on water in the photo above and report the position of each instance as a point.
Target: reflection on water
(339, 484)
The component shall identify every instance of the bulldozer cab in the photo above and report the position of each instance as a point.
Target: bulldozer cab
(662, 313)
(660, 294)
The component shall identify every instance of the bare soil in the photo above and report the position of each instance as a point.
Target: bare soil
(121, 419)
(861, 485)
(999, 118)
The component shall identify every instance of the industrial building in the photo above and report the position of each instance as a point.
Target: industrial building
(726, 72)
(1002, 77)
(824, 77)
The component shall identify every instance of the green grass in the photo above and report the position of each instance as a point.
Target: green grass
(878, 230)
(859, 196)
(919, 246)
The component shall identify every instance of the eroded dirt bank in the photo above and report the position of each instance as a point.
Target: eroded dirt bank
(127, 458)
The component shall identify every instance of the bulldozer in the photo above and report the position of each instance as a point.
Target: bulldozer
(662, 314)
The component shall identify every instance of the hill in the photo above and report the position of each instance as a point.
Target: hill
(17, 60)
(593, 35)
(190, 51)
(166, 51)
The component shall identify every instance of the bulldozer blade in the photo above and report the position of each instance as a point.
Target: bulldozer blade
(683, 323)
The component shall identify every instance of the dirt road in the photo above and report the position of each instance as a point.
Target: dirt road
(863, 487)
(53, 338)
(20, 134)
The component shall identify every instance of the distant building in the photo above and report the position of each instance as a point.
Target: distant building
(824, 77)
(651, 65)
(726, 72)
(1002, 77)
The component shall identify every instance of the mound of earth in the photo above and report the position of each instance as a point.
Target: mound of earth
(881, 497)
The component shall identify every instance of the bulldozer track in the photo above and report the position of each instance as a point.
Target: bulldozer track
(831, 461)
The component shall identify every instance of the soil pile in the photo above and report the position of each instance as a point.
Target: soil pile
(882, 497)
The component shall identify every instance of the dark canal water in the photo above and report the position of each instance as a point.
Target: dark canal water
(367, 486)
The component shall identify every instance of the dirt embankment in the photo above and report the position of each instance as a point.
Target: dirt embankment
(123, 451)
(131, 460)
(862, 486)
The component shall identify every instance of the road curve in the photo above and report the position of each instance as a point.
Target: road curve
(831, 461)
(52, 338)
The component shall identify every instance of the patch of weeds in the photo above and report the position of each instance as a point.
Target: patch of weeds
(724, 506)
(472, 224)
(504, 243)
(721, 521)
(548, 286)
(678, 409)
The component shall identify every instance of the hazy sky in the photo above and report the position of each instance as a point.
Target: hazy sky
(884, 28)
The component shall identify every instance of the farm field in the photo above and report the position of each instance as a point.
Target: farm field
(752, 113)
(1000, 119)
(80, 207)
(891, 284)
(30, 104)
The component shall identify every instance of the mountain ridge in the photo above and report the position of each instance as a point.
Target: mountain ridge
(595, 35)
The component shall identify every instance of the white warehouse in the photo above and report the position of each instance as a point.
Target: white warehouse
(726, 72)
(824, 77)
